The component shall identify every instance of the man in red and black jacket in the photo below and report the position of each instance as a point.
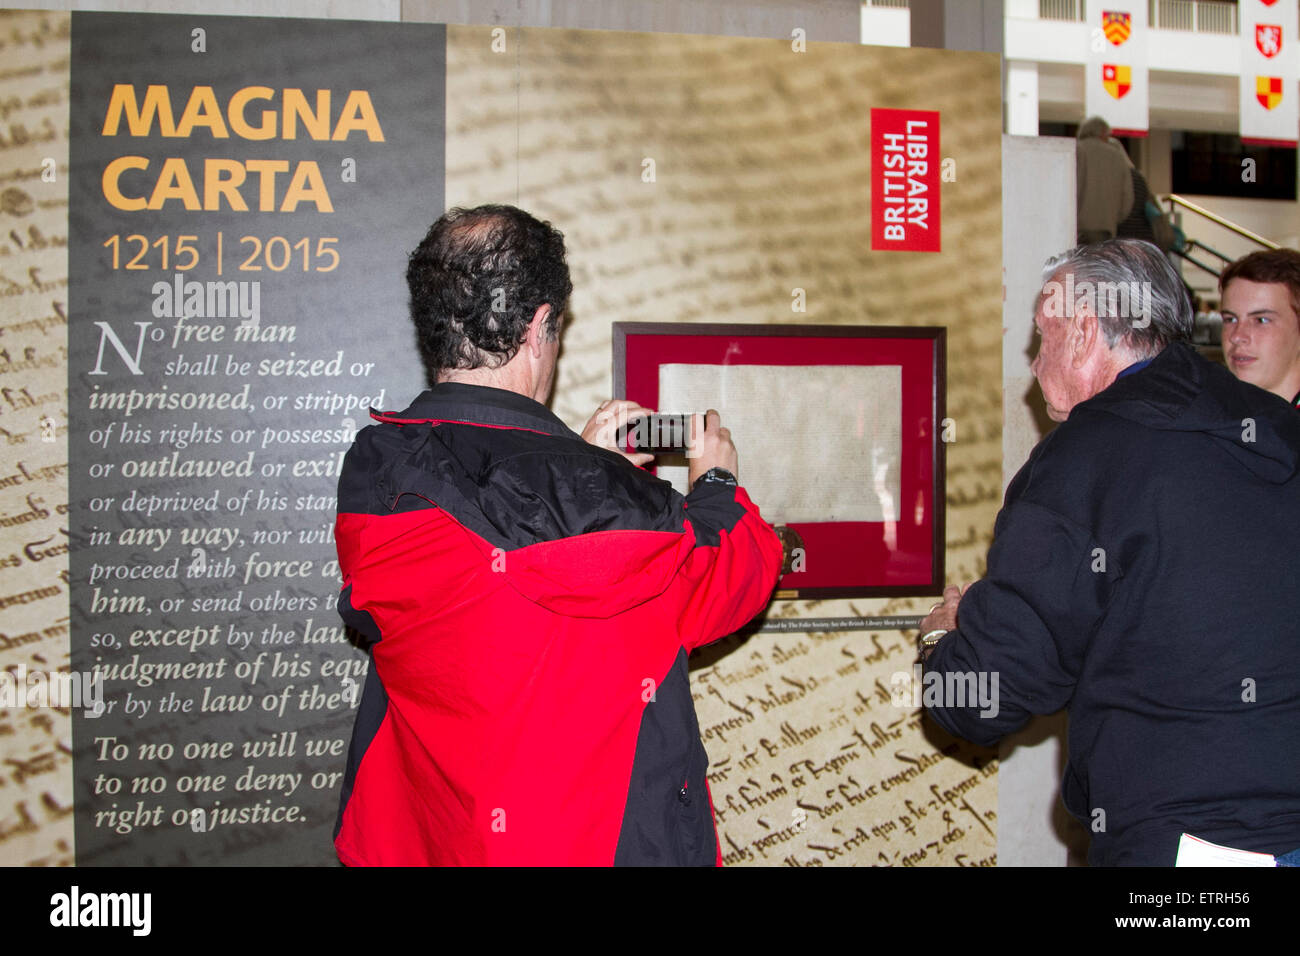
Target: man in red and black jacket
(531, 595)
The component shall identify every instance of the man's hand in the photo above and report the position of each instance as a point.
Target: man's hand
(602, 429)
(710, 447)
(944, 615)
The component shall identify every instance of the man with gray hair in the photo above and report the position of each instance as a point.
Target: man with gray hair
(1141, 574)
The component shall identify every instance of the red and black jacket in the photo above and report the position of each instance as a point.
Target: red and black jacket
(532, 599)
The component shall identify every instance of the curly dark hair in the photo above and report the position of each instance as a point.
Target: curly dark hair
(477, 279)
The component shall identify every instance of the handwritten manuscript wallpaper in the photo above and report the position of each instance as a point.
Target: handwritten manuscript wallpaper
(697, 179)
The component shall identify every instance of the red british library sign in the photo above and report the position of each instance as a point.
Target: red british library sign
(905, 180)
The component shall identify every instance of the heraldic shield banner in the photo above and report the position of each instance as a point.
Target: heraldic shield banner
(1116, 84)
(1270, 68)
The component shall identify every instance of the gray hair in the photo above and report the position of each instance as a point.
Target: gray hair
(1093, 127)
(1130, 286)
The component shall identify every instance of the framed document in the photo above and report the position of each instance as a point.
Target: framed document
(838, 431)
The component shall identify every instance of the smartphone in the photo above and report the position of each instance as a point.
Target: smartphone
(658, 434)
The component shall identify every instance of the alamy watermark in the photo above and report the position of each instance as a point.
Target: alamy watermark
(63, 690)
(78, 908)
(1122, 300)
(954, 689)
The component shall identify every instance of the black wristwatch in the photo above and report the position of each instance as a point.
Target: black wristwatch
(716, 476)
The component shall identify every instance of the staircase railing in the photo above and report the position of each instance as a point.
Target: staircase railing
(1178, 203)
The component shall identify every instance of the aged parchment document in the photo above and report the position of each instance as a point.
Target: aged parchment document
(821, 442)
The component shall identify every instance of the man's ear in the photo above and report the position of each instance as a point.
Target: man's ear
(537, 329)
(1085, 333)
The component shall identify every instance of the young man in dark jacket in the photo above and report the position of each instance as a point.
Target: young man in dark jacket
(532, 596)
(1142, 574)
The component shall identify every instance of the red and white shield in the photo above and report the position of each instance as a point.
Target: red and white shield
(1268, 39)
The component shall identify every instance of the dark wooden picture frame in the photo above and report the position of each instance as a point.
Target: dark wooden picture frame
(844, 559)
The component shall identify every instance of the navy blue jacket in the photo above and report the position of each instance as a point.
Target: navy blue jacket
(1143, 574)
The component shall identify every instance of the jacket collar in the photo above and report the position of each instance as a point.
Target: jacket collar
(477, 405)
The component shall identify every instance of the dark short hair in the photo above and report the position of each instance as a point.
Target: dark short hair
(477, 279)
(1281, 266)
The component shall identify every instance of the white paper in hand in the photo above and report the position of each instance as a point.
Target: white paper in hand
(1193, 851)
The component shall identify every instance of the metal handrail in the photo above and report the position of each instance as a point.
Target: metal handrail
(1182, 254)
(1197, 244)
(1219, 220)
